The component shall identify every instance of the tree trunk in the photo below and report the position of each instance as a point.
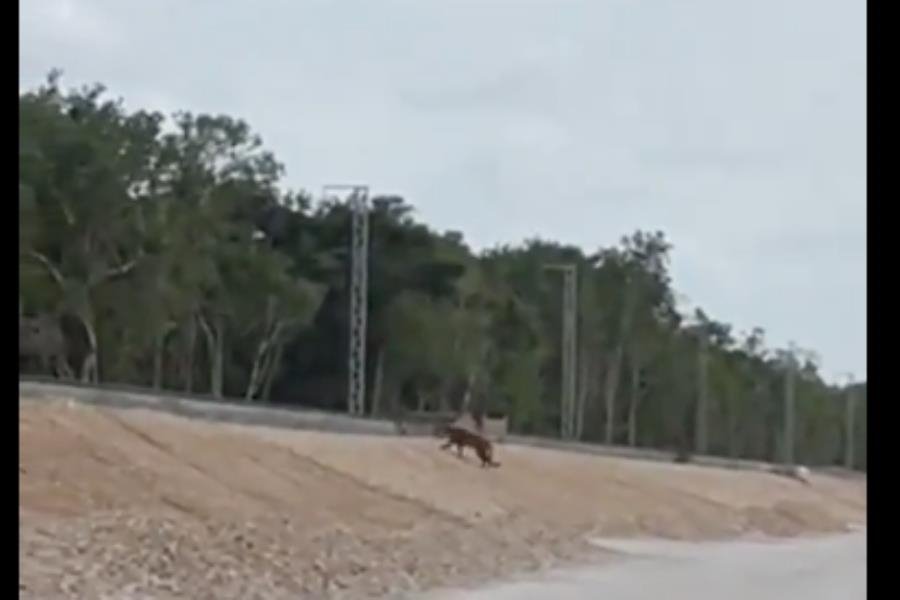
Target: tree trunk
(378, 383)
(444, 399)
(584, 391)
(274, 368)
(615, 364)
(271, 330)
(467, 396)
(260, 365)
(610, 390)
(732, 430)
(219, 360)
(216, 349)
(256, 372)
(472, 378)
(635, 399)
(189, 357)
(701, 417)
(269, 366)
(89, 369)
(158, 348)
(734, 402)
(61, 366)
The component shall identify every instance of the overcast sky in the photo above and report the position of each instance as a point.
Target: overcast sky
(738, 128)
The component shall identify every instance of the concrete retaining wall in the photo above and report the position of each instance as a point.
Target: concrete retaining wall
(290, 418)
(231, 412)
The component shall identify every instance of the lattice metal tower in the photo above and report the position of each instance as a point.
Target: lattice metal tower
(357, 201)
(569, 371)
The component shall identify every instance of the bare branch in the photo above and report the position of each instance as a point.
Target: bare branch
(67, 214)
(207, 330)
(48, 265)
(121, 270)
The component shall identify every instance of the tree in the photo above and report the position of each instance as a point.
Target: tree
(83, 162)
(167, 253)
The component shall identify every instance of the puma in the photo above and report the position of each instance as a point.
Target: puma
(459, 437)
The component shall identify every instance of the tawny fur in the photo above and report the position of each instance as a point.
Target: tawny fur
(459, 437)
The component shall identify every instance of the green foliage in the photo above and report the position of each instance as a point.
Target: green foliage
(175, 258)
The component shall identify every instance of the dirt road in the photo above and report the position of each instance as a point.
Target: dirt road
(132, 503)
(832, 568)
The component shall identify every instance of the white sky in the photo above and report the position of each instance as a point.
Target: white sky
(738, 128)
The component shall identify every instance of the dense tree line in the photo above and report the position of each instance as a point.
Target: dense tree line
(167, 253)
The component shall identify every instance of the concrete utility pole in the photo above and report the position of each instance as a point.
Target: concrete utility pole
(569, 372)
(789, 388)
(850, 422)
(701, 416)
(359, 292)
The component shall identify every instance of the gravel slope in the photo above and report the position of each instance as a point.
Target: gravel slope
(833, 568)
(136, 504)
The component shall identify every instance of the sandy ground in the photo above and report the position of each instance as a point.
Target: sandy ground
(135, 504)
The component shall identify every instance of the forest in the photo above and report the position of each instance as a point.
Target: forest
(165, 251)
